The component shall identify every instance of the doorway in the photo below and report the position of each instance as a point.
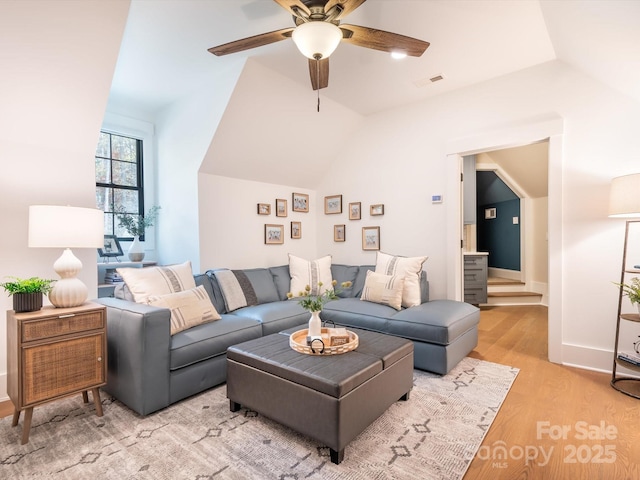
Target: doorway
(548, 128)
(511, 202)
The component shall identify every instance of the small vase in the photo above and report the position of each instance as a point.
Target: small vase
(27, 302)
(136, 252)
(315, 325)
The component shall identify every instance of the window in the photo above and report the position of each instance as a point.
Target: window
(119, 180)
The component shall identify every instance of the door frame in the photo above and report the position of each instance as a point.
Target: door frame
(551, 128)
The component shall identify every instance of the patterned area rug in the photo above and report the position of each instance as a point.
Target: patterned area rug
(434, 435)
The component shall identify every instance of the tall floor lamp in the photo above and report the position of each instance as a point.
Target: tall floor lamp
(67, 227)
(624, 202)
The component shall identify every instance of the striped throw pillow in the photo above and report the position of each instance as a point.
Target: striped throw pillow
(384, 289)
(188, 308)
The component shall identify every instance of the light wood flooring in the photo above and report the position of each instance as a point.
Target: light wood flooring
(556, 397)
(549, 395)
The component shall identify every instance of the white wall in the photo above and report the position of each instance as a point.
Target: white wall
(398, 158)
(232, 233)
(184, 131)
(57, 62)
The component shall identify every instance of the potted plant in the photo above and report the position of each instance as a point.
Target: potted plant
(632, 290)
(27, 293)
(136, 226)
(314, 304)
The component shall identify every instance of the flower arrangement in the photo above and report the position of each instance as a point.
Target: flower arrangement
(314, 303)
(136, 224)
(632, 291)
(28, 285)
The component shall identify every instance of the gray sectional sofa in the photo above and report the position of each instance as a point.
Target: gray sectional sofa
(149, 369)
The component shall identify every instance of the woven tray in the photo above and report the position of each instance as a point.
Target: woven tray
(298, 341)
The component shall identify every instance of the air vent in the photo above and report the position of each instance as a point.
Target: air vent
(423, 82)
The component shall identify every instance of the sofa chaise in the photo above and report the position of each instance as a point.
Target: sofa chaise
(149, 369)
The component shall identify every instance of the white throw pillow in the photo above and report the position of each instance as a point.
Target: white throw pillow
(143, 282)
(384, 289)
(188, 308)
(408, 267)
(309, 272)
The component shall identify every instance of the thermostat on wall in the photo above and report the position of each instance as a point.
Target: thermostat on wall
(436, 198)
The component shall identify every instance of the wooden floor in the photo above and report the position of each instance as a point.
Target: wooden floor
(601, 426)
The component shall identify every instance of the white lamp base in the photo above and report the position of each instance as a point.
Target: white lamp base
(69, 291)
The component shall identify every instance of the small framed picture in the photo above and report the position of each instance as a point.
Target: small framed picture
(281, 207)
(111, 247)
(371, 238)
(300, 202)
(354, 211)
(273, 234)
(338, 233)
(296, 229)
(264, 209)
(489, 213)
(333, 204)
(377, 209)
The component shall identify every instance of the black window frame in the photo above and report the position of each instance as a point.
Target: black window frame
(139, 180)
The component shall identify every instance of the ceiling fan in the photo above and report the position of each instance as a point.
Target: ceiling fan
(318, 32)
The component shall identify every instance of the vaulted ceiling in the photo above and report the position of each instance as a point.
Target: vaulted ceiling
(164, 51)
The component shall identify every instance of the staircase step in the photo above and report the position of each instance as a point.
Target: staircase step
(514, 294)
(503, 281)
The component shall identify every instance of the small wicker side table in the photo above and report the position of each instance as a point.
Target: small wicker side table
(54, 353)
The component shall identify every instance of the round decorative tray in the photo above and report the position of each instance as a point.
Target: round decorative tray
(298, 341)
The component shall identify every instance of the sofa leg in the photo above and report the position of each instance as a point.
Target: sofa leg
(336, 457)
(406, 396)
(233, 406)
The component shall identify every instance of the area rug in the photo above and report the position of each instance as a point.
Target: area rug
(434, 435)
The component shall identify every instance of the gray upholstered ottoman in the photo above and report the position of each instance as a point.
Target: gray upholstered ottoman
(329, 398)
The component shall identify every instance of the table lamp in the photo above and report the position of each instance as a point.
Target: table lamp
(52, 226)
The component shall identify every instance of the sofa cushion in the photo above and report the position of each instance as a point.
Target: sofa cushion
(211, 339)
(188, 308)
(313, 273)
(352, 312)
(276, 316)
(344, 273)
(143, 282)
(281, 279)
(438, 321)
(410, 268)
(385, 289)
(361, 276)
(241, 288)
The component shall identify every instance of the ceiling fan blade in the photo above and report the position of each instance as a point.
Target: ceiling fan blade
(348, 6)
(383, 41)
(252, 42)
(319, 72)
(291, 4)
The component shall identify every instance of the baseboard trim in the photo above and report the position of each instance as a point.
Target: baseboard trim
(3, 388)
(597, 360)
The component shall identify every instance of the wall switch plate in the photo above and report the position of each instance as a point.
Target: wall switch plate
(516, 220)
(436, 198)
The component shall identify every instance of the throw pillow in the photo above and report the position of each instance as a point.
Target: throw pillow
(236, 289)
(143, 282)
(407, 267)
(310, 272)
(188, 308)
(384, 289)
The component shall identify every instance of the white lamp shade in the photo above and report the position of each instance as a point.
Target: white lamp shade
(624, 197)
(65, 227)
(317, 39)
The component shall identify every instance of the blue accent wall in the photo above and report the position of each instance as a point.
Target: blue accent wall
(498, 236)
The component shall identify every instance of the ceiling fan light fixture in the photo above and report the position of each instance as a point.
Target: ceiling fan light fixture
(398, 55)
(317, 39)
